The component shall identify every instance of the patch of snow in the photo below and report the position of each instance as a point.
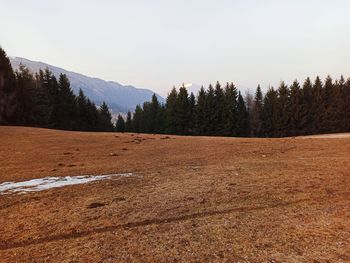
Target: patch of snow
(41, 184)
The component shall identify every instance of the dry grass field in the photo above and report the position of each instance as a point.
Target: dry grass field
(191, 199)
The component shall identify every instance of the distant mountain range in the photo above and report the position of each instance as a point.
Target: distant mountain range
(119, 98)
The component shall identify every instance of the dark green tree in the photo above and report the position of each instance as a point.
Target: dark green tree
(200, 113)
(171, 112)
(230, 112)
(128, 124)
(256, 115)
(104, 118)
(120, 124)
(296, 105)
(183, 112)
(270, 113)
(8, 90)
(242, 117)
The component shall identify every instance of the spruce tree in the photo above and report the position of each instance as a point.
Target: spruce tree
(270, 113)
(256, 115)
(192, 102)
(128, 123)
(283, 110)
(305, 115)
(230, 112)
(25, 113)
(120, 124)
(8, 90)
(242, 117)
(296, 104)
(200, 113)
(67, 108)
(328, 111)
(104, 118)
(183, 112)
(218, 110)
(171, 112)
(317, 106)
(138, 120)
(210, 122)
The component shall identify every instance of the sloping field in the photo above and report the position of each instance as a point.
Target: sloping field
(189, 199)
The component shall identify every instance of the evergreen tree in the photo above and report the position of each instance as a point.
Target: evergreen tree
(104, 118)
(210, 122)
(8, 90)
(218, 110)
(137, 119)
(270, 113)
(26, 98)
(283, 110)
(155, 118)
(192, 102)
(256, 113)
(67, 108)
(183, 112)
(200, 113)
(305, 114)
(120, 124)
(43, 107)
(316, 107)
(230, 112)
(296, 104)
(171, 112)
(328, 111)
(242, 117)
(128, 123)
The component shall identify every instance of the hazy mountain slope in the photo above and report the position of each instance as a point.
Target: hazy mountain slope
(120, 98)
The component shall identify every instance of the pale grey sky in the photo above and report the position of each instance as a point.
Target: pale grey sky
(157, 44)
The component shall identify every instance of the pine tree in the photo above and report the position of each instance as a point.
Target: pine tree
(256, 113)
(218, 110)
(120, 124)
(230, 113)
(242, 117)
(155, 121)
(171, 112)
(183, 114)
(26, 98)
(296, 104)
(328, 112)
(128, 123)
(249, 102)
(305, 115)
(210, 122)
(67, 108)
(43, 106)
(192, 102)
(317, 106)
(270, 114)
(8, 90)
(200, 113)
(283, 110)
(104, 118)
(138, 120)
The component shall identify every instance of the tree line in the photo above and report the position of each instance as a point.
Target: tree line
(311, 108)
(42, 100)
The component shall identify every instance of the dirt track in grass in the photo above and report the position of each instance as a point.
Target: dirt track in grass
(193, 199)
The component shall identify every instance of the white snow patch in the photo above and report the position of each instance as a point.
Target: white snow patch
(41, 184)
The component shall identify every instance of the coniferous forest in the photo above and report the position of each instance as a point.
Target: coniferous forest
(42, 100)
(311, 107)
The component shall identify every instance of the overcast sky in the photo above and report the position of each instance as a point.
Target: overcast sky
(157, 44)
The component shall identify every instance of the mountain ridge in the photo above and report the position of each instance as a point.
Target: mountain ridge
(120, 98)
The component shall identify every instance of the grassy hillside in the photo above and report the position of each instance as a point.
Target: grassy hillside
(193, 199)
